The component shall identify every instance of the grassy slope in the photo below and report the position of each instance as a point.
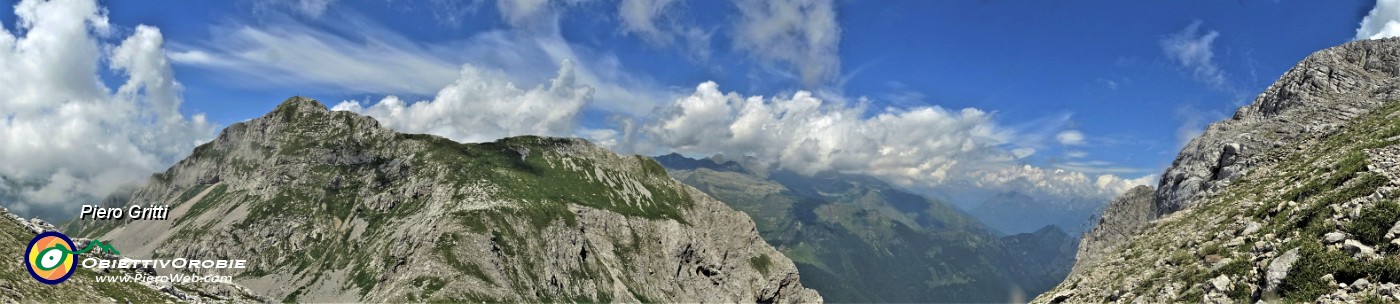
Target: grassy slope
(15, 283)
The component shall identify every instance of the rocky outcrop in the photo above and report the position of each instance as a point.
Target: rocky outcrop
(329, 206)
(1307, 103)
(1289, 200)
(1311, 100)
(1124, 217)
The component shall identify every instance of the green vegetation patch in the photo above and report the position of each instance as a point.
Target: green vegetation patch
(1304, 283)
(1375, 222)
(761, 263)
(528, 170)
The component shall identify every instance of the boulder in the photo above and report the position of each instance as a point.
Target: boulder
(1278, 270)
(1356, 248)
(1334, 237)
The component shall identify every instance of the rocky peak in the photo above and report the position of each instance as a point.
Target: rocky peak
(1315, 147)
(330, 206)
(1338, 70)
(298, 104)
(1313, 98)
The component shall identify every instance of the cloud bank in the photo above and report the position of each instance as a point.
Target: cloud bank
(482, 106)
(66, 138)
(1382, 22)
(920, 148)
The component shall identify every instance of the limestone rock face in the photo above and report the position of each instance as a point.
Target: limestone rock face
(330, 206)
(1312, 99)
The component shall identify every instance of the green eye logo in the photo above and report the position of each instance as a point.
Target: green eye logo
(47, 258)
(50, 256)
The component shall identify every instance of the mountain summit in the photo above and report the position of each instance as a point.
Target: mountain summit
(330, 206)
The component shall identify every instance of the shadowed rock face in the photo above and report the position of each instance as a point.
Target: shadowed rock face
(1303, 173)
(332, 207)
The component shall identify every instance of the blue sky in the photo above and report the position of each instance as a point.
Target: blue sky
(1100, 63)
(1089, 87)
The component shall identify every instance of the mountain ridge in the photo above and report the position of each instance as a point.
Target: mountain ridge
(332, 206)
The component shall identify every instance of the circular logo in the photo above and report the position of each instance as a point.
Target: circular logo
(48, 257)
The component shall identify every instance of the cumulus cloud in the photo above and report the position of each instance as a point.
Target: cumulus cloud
(1192, 49)
(66, 138)
(800, 35)
(1382, 22)
(483, 106)
(921, 147)
(1070, 138)
(1057, 183)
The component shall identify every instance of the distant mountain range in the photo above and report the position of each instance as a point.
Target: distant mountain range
(856, 238)
(1013, 212)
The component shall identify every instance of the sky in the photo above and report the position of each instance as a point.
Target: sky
(1064, 99)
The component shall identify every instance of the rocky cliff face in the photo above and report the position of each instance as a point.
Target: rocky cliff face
(1302, 174)
(1311, 100)
(332, 207)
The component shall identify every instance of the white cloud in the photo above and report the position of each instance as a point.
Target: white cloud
(292, 55)
(801, 35)
(65, 138)
(1193, 50)
(1059, 184)
(640, 17)
(645, 18)
(1070, 138)
(313, 8)
(483, 106)
(308, 8)
(297, 55)
(922, 147)
(528, 14)
(1382, 22)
